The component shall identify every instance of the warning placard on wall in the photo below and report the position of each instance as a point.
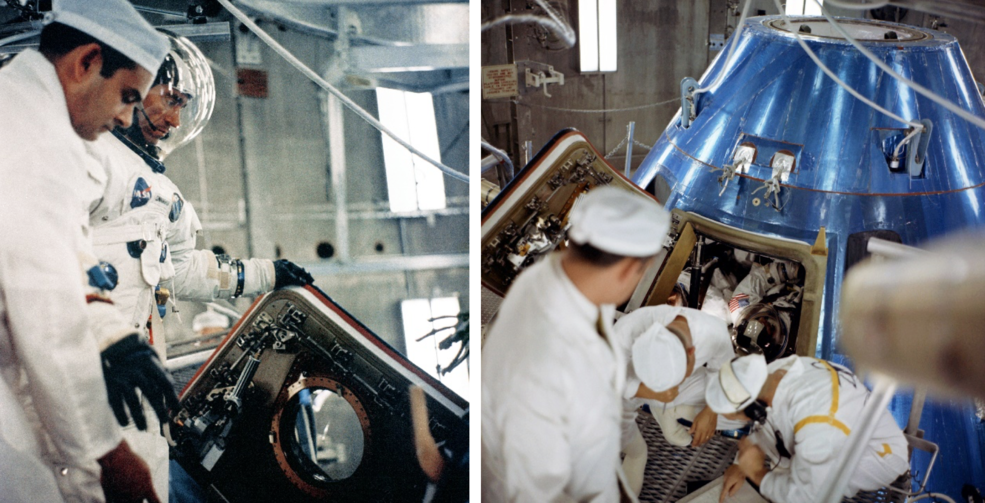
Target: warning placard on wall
(499, 81)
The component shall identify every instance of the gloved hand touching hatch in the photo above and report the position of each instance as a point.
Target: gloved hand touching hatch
(288, 273)
(128, 365)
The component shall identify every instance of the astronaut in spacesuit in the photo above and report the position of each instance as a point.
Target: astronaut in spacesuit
(670, 351)
(143, 225)
(762, 306)
(805, 408)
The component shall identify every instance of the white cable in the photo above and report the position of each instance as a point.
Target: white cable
(20, 36)
(904, 142)
(834, 77)
(308, 72)
(553, 22)
(501, 155)
(857, 6)
(964, 114)
(728, 57)
(932, 495)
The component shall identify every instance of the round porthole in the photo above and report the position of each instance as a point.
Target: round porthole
(323, 433)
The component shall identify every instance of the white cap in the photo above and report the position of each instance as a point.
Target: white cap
(619, 222)
(737, 384)
(659, 359)
(117, 24)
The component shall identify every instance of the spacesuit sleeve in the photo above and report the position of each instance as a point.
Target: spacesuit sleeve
(815, 447)
(46, 318)
(198, 275)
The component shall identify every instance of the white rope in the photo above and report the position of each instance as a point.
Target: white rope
(728, 173)
(552, 22)
(641, 144)
(857, 6)
(834, 77)
(588, 111)
(964, 114)
(772, 187)
(317, 79)
(501, 155)
(731, 49)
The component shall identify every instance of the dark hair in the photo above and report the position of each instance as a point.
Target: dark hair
(59, 39)
(593, 255)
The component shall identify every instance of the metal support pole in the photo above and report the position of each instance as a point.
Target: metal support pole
(528, 147)
(629, 147)
(336, 147)
(916, 411)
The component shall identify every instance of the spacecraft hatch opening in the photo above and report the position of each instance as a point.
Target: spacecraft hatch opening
(763, 287)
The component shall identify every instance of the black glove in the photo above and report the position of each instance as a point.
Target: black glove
(129, 364)
(288, 273)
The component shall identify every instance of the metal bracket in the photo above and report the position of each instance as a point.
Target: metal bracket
(539, 78)
(916, 151)
(688, 109)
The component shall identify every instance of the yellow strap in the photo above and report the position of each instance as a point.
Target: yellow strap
(886, 451)
(830, 418)
(821, 420)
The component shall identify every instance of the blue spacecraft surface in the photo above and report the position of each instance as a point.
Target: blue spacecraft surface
(777, 148)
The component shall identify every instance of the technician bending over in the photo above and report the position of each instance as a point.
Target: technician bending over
(671, 353)
(805, 408)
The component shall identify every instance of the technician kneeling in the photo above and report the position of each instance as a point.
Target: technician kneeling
(805, 409)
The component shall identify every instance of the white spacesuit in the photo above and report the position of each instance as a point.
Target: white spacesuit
(143, 225)
(761, 282)
(815, 406)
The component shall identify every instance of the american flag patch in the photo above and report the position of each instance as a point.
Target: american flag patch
(738, 301)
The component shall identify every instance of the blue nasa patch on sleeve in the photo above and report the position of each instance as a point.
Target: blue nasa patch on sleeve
(141, 193)
(176, 205)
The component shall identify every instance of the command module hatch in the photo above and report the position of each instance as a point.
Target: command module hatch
(302, 403)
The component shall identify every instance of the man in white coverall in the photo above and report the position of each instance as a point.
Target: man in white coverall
(145, 228)
(58, 438)
(806, 408)
(552, 375)
(671, 351)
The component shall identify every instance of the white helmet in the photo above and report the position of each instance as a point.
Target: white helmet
(760, 330)
(179, 103)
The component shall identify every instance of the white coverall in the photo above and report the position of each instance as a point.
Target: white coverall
(816, 405)
(712, 349)
(136, 203)
(54, 410)
(551, 387)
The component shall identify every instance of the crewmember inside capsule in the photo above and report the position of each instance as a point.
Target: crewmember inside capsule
(552, 375)
(805, 409)
(671, 352)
